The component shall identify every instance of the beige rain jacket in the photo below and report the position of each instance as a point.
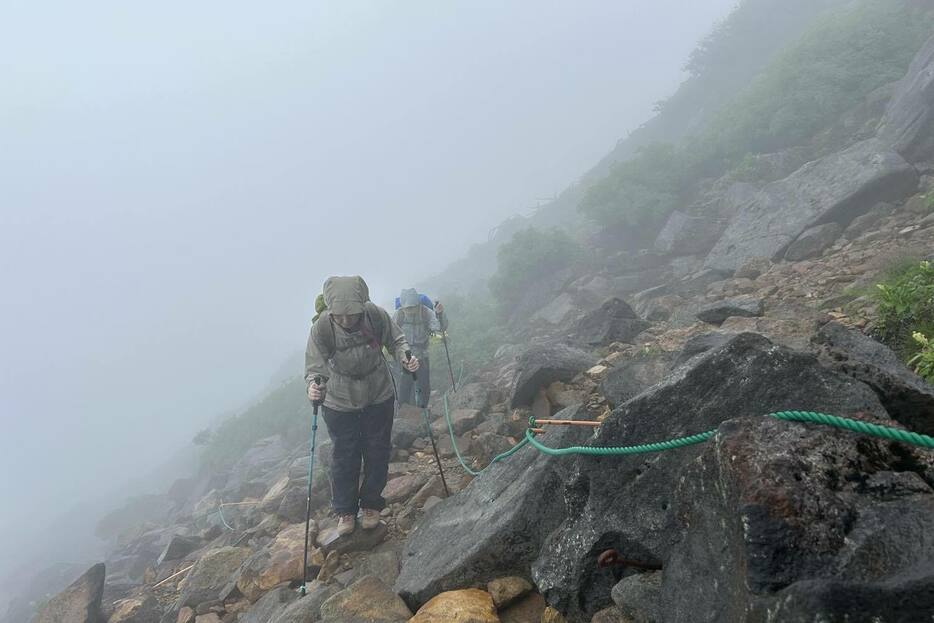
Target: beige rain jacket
(351, 362)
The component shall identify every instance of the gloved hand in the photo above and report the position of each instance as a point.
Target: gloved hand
(316, 392)
(411, 364)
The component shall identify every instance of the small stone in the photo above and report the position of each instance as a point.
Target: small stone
(446, 448)
(597, 372)
(610, 615)
(281, 561)
(368, 599)
(358, 540)
(210, 617)
(753, 268)
(506, 591)
(465, 606)
(211, 574)
(139, 609)
(185, 615)
(462, 420)
(344, 578)
(550, 615)
(208, 606)
(403, 487)
(528, 609)
(330, 567)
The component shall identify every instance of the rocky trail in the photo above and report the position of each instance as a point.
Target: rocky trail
(708, 328)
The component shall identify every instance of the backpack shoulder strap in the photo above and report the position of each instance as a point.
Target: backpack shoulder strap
(374, 317)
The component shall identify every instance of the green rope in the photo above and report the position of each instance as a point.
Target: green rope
(856, 426)
(464, 465)
(813, 417)
(460, 459)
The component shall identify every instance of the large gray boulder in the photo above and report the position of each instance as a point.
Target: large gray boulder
(687, 234)
(908, 124)
(813, 241)
(624, 502)
(701, 344)
(742, 306)
(79, 603)
(405, 431)
(542, 365)
(493, 528)
(638, 596)
(837, 188)
(907, 397)
(471, 396)
(801, 524)
(633, 376)
(614, 321)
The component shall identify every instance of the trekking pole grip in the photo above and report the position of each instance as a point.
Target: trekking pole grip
(408, 357)
(316, 403)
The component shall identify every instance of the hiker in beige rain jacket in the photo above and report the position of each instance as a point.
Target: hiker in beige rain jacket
(345, 350)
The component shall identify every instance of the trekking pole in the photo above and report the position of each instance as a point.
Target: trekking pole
(311, 467)
(447, 353)
(434, 448)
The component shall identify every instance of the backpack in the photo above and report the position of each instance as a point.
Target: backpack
(371, 317)
(425, 300)
(320, 306)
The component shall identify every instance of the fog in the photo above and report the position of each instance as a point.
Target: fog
(177, 180)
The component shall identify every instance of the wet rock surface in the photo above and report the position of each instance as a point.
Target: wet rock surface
(492, 528)
(80, 602)
(540, 366)
(838, 187)
(798, 535)
(907, 397)
(624, 502)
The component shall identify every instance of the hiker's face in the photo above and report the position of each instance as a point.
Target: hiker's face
(348, 322)
(410, 312)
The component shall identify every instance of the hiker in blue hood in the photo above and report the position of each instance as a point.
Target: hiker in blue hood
(418, 318)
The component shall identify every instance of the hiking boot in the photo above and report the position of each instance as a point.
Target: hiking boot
(370, 519)
(346, 524)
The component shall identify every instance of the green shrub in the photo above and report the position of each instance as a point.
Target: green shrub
(531, 255)
(638, 194)
(923, 361)
(906, 306)
(841, 58)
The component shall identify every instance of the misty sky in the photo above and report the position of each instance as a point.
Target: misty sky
(178, 178)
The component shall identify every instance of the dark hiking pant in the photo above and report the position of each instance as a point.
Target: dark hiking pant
(407, 385)
(359, 436)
